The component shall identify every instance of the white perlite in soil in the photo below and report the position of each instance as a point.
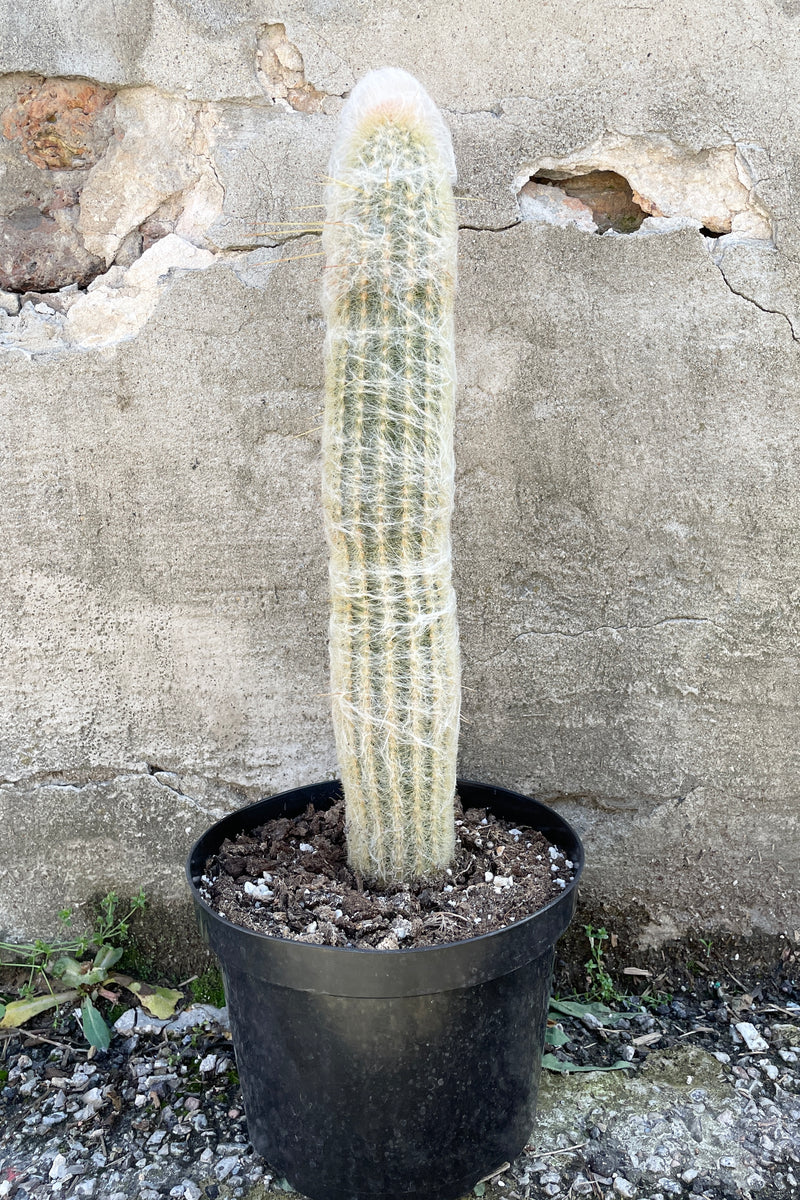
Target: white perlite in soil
(290, 878)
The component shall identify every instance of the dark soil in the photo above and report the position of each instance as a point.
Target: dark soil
(289, 878)
(696, 961)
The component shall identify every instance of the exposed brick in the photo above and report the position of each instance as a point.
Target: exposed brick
(60, 124)
(43, 251)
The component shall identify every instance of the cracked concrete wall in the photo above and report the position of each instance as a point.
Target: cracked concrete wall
(627, 443)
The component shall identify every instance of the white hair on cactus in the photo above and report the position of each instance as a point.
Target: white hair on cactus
(391, 89)
(390, 236)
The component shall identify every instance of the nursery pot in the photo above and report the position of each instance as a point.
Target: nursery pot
(389, 1074)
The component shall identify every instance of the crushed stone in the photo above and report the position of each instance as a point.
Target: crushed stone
(159, 1114)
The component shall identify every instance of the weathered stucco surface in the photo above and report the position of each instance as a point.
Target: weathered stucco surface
(628, 434)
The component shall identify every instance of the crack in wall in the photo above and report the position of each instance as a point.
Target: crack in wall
(269, 243)
(777, 312)
(168, 780)
(600, 629)
(147, 197)
(276, 242)
(646, 185)
(491, 228)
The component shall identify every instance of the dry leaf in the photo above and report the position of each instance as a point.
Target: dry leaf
(646, 1039)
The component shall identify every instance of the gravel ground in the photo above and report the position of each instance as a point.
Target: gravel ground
(707, 1106)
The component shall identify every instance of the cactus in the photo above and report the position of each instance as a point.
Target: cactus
(390, 240)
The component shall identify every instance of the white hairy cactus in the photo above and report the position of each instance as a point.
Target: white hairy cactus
(390, 238)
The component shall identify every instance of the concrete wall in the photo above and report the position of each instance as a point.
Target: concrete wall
(628, 439)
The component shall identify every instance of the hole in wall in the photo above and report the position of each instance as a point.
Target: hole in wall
(607, 196)
(648, 183)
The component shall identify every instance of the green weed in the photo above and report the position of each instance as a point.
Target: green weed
(85, 978)
(35, 957)
(600, 985)
(208, 989)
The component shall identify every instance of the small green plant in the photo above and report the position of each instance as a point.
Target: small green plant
(39, 956)
(700, 966)
(207, 988)
(599, 982)
(85, 978)
(656, 1000)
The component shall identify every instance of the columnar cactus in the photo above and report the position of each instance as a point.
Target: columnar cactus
(390, 239)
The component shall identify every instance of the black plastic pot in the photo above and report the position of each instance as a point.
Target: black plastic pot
(389, 1074)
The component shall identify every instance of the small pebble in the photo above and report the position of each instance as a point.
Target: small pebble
(751, 1037)
(591, 1021)
(258, 889)
(226, 1166)
(58, 1168)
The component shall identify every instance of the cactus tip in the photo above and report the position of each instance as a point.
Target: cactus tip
(390, 90)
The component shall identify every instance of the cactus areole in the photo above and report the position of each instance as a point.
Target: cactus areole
(390, 239)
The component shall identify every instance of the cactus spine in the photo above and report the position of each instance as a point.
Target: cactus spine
(390, 239)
